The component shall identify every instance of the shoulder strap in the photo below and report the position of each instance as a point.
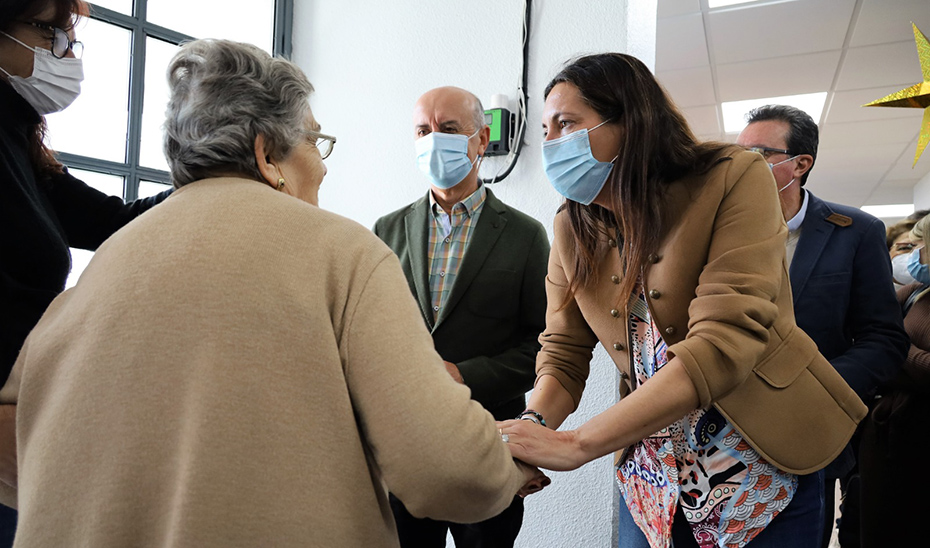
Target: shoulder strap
(912, 298)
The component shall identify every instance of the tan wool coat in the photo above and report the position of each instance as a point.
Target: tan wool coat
(239, 368)
(719, 292)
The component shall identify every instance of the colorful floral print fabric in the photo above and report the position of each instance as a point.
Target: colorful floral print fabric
(727, 492)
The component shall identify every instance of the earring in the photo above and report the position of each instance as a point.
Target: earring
(280, 183)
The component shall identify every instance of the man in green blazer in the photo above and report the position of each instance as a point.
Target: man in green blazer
(477, 268)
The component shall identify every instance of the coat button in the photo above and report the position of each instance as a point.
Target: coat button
(653, 258)
(612, 243)
(618, 347)
(624, 375)
(670, 330)
(614, 312)
(654, 293)
(615, 279)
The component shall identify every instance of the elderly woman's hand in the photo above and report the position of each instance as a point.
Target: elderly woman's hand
(537, 445)
(535, 479)
(8, 470)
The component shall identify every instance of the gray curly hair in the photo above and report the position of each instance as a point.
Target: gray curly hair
(224, 94)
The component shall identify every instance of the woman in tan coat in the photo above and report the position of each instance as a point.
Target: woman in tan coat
(671, 254)
(238, 367)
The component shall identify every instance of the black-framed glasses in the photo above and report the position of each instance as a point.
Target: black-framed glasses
(321, 141)
(61, 42)
(767, 152)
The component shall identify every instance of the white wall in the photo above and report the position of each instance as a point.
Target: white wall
(371, 60)
(922, 193)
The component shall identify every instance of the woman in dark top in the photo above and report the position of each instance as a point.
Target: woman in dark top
(894, 436)
(43, 209)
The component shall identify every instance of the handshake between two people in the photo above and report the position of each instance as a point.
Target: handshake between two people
(536, 480)
(535, 446)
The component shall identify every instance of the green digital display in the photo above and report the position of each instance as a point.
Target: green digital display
(499, 121)
(493, 119)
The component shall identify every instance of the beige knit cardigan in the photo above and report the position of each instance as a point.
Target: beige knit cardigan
(239, 368)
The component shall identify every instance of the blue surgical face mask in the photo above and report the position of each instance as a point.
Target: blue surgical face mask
(920, 272)
(443, 158)
(572, 169)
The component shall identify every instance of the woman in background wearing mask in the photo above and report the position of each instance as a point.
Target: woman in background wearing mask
(671, 254)
(894, 435)
(43, 209)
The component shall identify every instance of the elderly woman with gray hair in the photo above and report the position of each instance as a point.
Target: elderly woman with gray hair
(239, 367)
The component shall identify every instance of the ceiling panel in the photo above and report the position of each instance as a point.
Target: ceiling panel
(889, 194)
(689, 87)
(900, 183)
(863, 156)
(850, 134)
(902, 168)
(703, 120)
(777, 30)
(883, 21)
(680, 43)
(786, 47)
(874, 66)
(847, 106)
(810, 73)
(670, 8)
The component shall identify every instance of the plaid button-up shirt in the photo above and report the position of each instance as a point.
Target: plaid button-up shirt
(448, 239)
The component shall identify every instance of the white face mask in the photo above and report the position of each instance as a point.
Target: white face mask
(772, 167)
(899, 268)
(54, 84)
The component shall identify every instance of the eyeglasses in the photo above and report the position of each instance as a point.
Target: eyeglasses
(767, 152)
(903, 246)
(321, 141)
(61, 42)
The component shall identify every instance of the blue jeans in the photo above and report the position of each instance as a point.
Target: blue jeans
(800, 525)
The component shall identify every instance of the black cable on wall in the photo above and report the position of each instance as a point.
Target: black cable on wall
(521, 99)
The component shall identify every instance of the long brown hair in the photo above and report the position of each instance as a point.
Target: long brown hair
(67, 13)
(656, 148)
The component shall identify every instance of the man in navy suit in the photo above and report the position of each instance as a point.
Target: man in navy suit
(839, 268)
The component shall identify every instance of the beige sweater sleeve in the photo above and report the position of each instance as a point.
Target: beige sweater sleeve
(438, 451)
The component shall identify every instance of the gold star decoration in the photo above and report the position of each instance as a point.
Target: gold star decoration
(916, 96)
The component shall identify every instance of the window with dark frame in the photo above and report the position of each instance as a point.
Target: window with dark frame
(111, 137)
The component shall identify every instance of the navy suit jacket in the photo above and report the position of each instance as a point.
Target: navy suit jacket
(496, 308)
(844, 299)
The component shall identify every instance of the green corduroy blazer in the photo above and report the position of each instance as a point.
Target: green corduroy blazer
(496, 309)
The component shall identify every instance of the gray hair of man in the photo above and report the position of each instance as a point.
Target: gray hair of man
(224, 94)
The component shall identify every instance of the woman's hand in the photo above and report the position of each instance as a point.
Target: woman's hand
(537, 445)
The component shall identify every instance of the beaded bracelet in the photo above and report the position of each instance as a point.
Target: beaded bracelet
(530, 415)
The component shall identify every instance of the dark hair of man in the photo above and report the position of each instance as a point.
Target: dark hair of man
(66, 15)
(803, 135)
(656, 148)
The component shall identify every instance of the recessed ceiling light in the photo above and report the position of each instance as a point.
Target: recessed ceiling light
(891, 210)
(723, 3)
(734, 112)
